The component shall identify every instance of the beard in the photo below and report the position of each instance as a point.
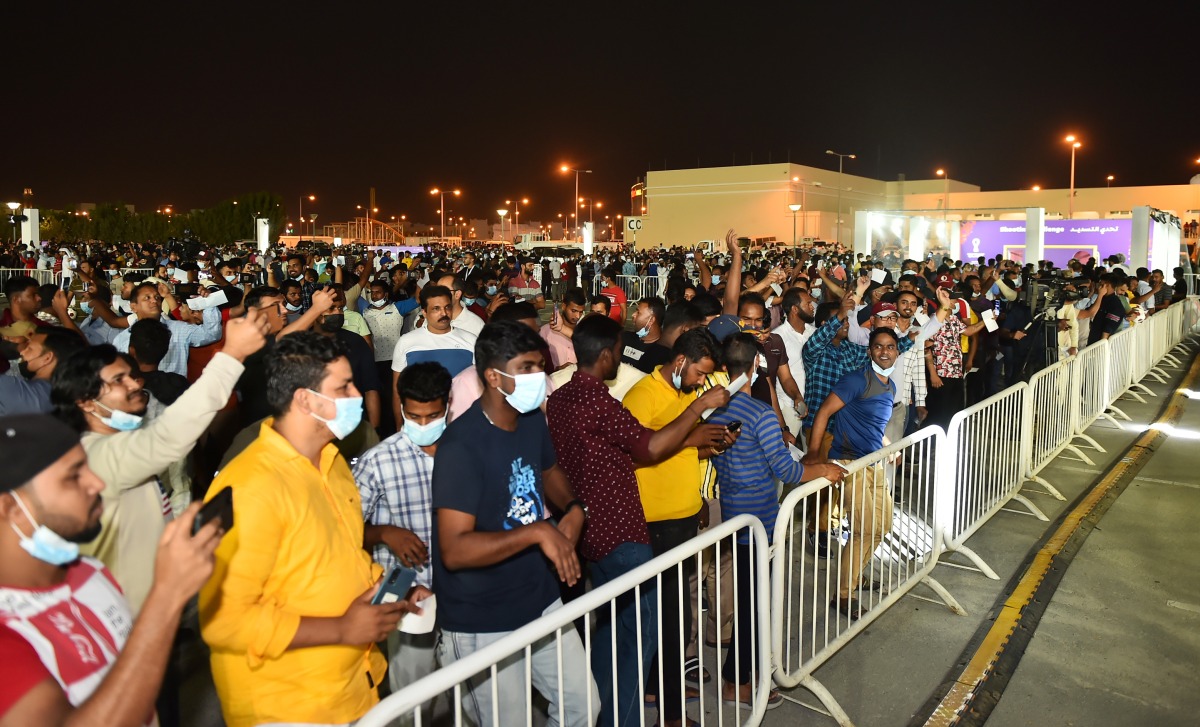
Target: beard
(86, 535)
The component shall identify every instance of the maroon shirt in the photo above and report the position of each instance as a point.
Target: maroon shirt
(596, 438)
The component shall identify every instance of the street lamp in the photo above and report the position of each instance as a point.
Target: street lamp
(794, 208)
(1037, 187)
(591, 203)
(1109, 180)
(502, 213)
(841, 159)
(516, 203)
(311, 198)
(619, 218)
(946, 194)
(566, 168)
(12, 208)
(1071, 201)
(443, 193)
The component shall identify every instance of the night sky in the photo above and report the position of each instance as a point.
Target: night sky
(159, 106)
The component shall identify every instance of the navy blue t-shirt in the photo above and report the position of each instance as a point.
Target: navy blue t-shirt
(858, 428)
(496, 476)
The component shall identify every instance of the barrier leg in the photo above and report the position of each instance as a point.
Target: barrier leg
(1113, 413)
(1051, 490)
(1144, 390)
(1158, 374)
(1172, 362)
(1033, 509)
(942, 593)
(1079, 453)
(1091, 442)
(980, 565)
(835, 710)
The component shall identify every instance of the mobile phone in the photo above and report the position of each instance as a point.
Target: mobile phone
(219, 508)
(395, 585)
(733, 426)
(247, 278)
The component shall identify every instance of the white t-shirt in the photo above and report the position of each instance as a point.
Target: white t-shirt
(385, 324)
(793, 343)
(455, 349)
(467, 322)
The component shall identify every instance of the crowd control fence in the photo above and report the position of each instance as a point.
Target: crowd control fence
(597, 609)
(43, 277)
(895, 515)
(888, 502)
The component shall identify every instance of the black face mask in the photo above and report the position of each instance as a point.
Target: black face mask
(28, 374)
(333, 323)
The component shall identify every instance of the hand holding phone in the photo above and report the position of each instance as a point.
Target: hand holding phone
(219, 508)
(395, 585)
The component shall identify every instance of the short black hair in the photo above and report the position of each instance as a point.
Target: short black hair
(592, 336)
(657, 308)
(575, 296)
(288, 284)
(298, 362)
(601, 300)
(501, 341)
(424, 382)
(708, 304)
(61, 342)
(883, 331)
(740, 352)
(78, 379)
(681, 314)
(18, 284)
(751, 299)
(514, 312)
(697, 344)
(150, 339)
(824, 312)
(254, 298)
(434, 291)
(793, 298)
(103, 292)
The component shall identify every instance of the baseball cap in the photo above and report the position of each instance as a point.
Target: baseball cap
(945, 280)
(17, 329)
(883, 308)
(30, 443)
(724, 326)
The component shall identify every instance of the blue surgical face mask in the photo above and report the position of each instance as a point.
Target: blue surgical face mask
(230, 278)
(528, 393)
(86, 307)
(122, 421)
(677, 378)
(45, 544)
(716, 280)
(379, 303)
(468, 301)
(645, 331)
(424, 435)
(292, 308)
(491, 290)
(347, 418)
(882, 371)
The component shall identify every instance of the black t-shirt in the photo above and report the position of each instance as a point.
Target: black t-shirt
(495, 476)
(775, 352)
(362, 361)
(166, 386)
(641, 355)
(1108, 318)
(252, 387)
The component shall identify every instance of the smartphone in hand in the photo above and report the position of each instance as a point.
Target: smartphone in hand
(395, 585)
(219, 508)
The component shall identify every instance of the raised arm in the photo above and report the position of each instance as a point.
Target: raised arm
(733, 285)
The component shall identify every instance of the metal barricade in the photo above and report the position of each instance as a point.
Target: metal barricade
(516, 649)
(43, 277)
(985, 467)
(1120, 370)
(1049, 423)
(892, 535)
(1090, 383)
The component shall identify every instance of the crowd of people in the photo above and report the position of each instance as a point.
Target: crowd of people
(504, 430)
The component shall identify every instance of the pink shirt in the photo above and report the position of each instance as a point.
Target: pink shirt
(562, 349)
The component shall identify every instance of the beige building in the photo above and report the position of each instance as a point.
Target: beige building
(685, 206)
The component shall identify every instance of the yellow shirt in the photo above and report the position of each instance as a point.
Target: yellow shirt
(295, 550)
(669, 489)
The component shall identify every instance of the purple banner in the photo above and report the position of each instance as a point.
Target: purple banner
(1065, 239)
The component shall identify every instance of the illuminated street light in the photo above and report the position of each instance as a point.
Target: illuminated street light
(1037, 187)
(1109, 180)
(946, 194)
(311, 198)
(443, 193)
(841, 159)
(1071, 200)
(517, 211)
(566, 168)
(794, 208)
(502, 213)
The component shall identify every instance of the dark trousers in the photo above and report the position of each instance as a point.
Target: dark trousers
(943, 403)
(743, 640)
(676, 616)
(387, 393)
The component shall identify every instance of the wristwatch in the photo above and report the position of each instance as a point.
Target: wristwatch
(577, 503)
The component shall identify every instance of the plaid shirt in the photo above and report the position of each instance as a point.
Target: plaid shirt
(394, 479)
(306, 294)
(825, 364)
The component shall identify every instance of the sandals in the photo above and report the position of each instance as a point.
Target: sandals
(848, 607)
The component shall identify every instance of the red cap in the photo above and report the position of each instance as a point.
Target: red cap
(945, 280)
(881, 308)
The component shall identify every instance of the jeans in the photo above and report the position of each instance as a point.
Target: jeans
(511, 689)
(626, 707)
(676, 616)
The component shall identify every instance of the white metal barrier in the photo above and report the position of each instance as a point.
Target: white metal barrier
(1049, 419)
(893, 538)
(515, 649)
(985, 468)
(43, 277)
(1120, 370)
(1090, 385)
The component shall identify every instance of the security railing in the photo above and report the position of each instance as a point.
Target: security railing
(887, 505)
(43, 277)
(476, 675)
(1051, 394)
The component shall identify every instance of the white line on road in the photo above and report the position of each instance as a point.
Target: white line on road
(1184, 606)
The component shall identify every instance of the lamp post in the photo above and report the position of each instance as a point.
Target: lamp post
(311, 198)
(516, 203)
(591, 204)
(443, 193)
(1071, 201)
(946, 194)
(794, 208)
(841, 159)
(12, 209)
(567, 168)
(621, 226)
(1108, 180)
(502, 213)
